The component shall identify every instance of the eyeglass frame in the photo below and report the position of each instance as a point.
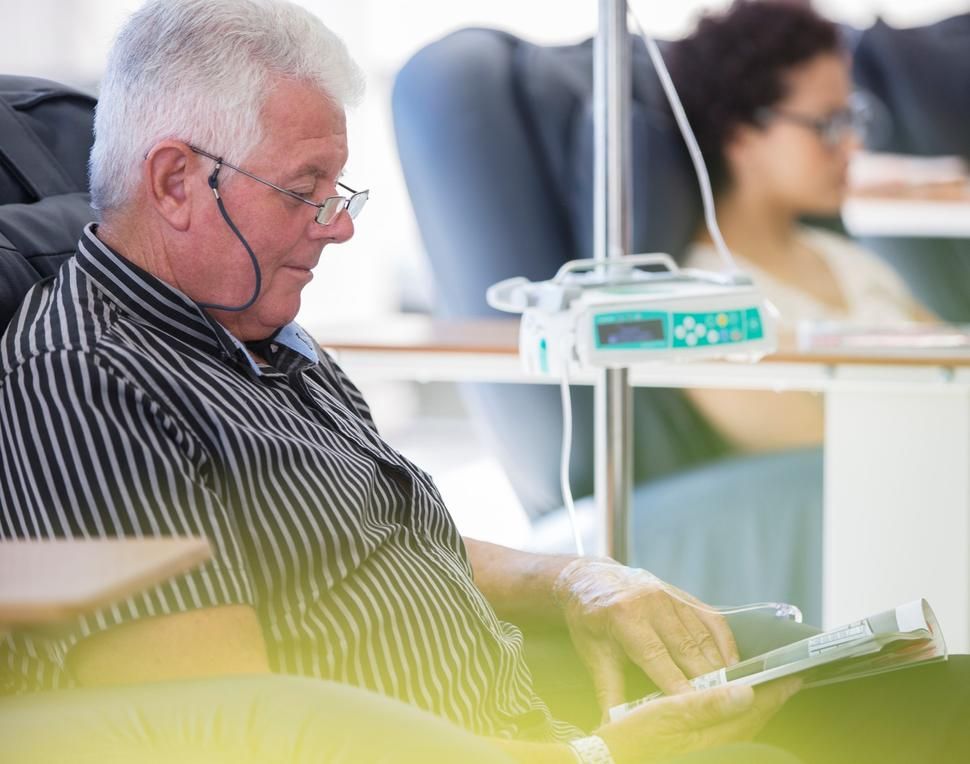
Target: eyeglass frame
(346, 201)
(831, 130)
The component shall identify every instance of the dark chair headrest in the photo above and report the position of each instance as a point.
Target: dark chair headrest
(922, 76)
(46, 132)
(557, 87)
(34, 240)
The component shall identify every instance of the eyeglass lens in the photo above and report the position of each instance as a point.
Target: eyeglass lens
(334, 205)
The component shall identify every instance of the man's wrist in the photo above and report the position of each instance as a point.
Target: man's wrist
(519, 585)
(591, 750)
(563, 586)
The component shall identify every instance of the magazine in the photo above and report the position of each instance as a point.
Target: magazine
(905, 636)
(905, 340)
(902, 176)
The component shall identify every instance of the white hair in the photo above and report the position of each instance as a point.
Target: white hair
(200, 71)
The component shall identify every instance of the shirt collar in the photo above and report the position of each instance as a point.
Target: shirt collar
(158, 303)
(294, 337)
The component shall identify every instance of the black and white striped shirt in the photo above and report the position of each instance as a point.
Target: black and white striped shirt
(127, 411)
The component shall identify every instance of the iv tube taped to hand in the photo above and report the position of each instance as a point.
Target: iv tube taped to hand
(601, 581)
(613, 578)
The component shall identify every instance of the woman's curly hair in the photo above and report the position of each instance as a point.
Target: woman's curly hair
(734, 64)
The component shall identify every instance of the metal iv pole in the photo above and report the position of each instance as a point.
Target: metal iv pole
(613, 413)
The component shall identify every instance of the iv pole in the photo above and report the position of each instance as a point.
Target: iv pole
(613, 413)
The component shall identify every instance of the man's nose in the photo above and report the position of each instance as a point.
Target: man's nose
(337, 232)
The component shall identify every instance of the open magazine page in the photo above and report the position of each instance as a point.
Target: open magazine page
(904, 636)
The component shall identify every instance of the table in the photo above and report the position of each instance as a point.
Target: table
(897, 447)
(49, 581)
(885, 216)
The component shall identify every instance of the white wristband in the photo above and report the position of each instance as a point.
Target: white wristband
(591, 750)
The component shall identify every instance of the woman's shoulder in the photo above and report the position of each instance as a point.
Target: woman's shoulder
(862, 274)
(702, 255)
(826, 241)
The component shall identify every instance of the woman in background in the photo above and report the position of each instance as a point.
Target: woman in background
(767, 88)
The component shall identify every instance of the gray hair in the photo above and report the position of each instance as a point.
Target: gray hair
(200, 71)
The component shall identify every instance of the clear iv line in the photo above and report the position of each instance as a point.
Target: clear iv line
(567, 443)
(782, 610)
(703, 179)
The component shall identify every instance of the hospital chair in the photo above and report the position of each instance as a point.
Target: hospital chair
(495, 136)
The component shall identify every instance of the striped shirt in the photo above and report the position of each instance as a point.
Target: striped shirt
(127, 411)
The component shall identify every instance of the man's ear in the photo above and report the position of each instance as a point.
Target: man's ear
(171, 182)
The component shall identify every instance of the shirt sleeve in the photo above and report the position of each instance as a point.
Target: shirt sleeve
(86, 454)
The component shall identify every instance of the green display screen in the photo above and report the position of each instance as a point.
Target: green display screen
(630, 332)
(642, 330)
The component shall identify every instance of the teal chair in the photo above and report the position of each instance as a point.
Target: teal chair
(495, 137)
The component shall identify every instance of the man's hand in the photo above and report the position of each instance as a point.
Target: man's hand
(694, 721)
(615, 614)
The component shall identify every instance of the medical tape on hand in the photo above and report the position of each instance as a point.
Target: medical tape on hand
(603, 582)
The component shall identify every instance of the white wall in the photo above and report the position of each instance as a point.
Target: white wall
(68, 40)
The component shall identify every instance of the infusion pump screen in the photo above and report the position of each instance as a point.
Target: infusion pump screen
(630, 332)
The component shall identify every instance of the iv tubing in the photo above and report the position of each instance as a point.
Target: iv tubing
(703, 179)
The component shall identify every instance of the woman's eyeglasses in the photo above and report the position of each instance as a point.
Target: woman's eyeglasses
(831, 129)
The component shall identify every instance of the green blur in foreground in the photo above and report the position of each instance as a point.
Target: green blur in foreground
(233, 720)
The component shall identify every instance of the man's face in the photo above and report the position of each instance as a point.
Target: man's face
(304, 150)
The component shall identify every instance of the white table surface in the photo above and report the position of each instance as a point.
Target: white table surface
(874, 216)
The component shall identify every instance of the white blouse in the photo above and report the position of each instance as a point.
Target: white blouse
(872, 291)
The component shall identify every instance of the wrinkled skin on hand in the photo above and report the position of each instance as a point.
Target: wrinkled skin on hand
(617, 614)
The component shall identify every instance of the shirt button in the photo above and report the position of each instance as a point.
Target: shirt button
(273, 347)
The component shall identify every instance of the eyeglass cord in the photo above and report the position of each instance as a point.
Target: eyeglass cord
(214, 185)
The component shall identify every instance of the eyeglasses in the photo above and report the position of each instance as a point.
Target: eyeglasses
(327, 211)
(833, 129)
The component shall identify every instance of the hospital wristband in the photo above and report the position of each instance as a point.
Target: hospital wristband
(591, 750)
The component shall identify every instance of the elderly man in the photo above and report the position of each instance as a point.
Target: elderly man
(159, 386)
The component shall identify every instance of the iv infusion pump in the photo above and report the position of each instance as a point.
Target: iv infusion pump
(612, 314)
